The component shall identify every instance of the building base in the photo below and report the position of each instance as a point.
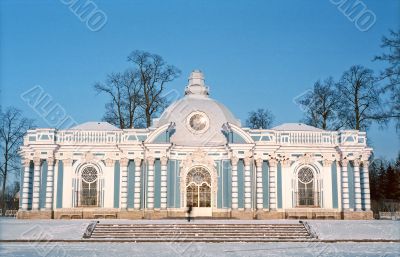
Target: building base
(99, 213)
(40, 214)
(358, 215)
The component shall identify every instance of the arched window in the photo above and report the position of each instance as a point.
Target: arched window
(89, 191)
(198, 188)
(306, 184)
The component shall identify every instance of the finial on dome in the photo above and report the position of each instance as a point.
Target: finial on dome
(196, 84)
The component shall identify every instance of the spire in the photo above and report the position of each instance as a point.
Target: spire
(196, 84)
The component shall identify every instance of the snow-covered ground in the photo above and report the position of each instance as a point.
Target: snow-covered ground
(11, 229)
(200, 249)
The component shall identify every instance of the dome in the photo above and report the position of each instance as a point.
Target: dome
(198, 118)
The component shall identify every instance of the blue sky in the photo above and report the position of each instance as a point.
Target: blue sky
(253, 53)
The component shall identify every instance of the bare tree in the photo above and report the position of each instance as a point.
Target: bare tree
(137, 94)
(392, 74)
(320, 105)
(154, 74)
(124, 89)
(359, 98)
(13, 127)
(260, 119)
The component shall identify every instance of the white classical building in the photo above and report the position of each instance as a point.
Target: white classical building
(197, 153)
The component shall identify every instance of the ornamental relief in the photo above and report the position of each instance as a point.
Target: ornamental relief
(197, 159)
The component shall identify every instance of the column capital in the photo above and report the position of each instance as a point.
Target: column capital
(234, 160)
(247, 161)
(26, 162)
(138, 161)
(357, 162)
(272, 162)
(164, 160)
(50, 161)
(109, 162)
(365, 163)
(150, 160)
(67, 162)
(124, 162)
(327, 163)
(344, 162)
(259, 162)
(37, 161)
(286, 163)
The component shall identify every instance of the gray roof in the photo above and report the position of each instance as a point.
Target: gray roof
(296, 127)
(95, 125)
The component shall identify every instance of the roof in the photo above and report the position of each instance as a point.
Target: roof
(296, 127)
(95, 125)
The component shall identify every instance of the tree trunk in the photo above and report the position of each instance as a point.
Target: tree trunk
(3, 192)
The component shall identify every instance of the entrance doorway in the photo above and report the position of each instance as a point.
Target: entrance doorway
(198, 191)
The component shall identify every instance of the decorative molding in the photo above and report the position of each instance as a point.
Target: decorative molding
(234, 161)
(37, 161)
(272, 162)
(89, 157)
(26, 162)
(327, 162)
(138, 162)
(259, 163)
(344, 163)
(357, 162)
(365, 163)
(109, 162)
(124, 162)
(68, 162)
(286, 163)
(247, 161)
(50, 161)
(307, 158)
(150, 160)
(164, 160)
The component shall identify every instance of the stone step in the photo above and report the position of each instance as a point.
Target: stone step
(200, 232)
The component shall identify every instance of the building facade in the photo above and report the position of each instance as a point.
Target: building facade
(196, 153)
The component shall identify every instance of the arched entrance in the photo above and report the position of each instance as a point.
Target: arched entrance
(198, 191)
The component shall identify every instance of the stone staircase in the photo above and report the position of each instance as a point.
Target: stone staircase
(200, 232)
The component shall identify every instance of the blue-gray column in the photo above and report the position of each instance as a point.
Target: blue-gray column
(60, 178)
(157, 184)
(43, 184)
(265, 180)
(334, 177)
(131, 184)
(117, 178)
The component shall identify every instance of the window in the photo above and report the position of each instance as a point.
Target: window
(88, 195)
(306, 183)
(198, 188)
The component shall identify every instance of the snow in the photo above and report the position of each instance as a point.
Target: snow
(95, 126)
(200, 249)
(73, 229)
(296, 127)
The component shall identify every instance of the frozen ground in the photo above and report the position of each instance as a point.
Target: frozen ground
(200, 249)
(11, 229)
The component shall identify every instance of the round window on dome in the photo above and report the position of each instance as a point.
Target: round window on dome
(198, 122)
